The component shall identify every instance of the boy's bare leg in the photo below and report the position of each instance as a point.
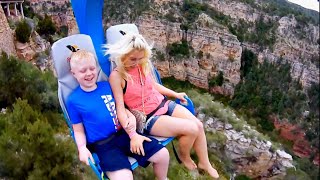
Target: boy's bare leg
(120, 174)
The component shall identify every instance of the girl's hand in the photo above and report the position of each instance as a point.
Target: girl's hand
(182, 96)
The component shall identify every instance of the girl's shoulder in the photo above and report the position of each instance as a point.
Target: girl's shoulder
(115, 72)
(115, 76)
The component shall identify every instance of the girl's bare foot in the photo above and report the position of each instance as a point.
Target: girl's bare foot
(188, 163)
(210, 170)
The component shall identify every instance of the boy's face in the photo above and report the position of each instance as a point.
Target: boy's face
(85, 71)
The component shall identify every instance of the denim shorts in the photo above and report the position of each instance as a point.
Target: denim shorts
(153, 119)
(113, 155)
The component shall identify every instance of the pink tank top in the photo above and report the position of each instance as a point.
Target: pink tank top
(134, 94)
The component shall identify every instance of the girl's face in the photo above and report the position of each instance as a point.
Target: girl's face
(133, 58)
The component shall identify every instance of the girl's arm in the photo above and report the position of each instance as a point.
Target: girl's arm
(124, 116)
(168, 92)
(131, 125)
(127, 120)
(164, 90)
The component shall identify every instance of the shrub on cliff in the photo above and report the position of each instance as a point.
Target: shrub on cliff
(23, 31)
(217, 80)
(30, 148)
(46, 28)
(267, 89)
(179, 49)
(19, 79)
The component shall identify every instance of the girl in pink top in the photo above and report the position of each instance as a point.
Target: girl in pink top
(133, 87)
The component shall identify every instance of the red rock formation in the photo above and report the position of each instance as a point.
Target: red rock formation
(301, 147)
(289, 131)
(316, 160)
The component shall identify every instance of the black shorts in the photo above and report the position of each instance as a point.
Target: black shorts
(113, 155)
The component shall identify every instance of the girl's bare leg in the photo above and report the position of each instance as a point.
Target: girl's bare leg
(200, 143)
(160, 163)
(185, 130)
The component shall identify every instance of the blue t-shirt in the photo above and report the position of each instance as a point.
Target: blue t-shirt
(96, 110)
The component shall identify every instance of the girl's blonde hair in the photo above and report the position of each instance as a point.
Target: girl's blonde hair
(121, 49)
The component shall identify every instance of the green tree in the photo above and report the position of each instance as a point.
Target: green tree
(295, 174)
(63, 31)
(122, 9)
(19, 79)
(46, 27)
(28, 10)
(200, 55)
(242, 177)
(314, 98)
(308, 167)
(179, 49)
(248, 61)
(217, 81)
(29, 148)
(267, 89)
(12, 82)
(23, 31)
(191, 10)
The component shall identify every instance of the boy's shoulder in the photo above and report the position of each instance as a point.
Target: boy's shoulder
(75, 93)
(78, 93)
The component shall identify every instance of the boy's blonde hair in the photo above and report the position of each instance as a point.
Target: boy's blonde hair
(127, 44)
(81, 55)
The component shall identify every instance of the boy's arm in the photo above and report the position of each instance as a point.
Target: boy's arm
(80, 137)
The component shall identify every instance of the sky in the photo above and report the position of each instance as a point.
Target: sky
(310, 4)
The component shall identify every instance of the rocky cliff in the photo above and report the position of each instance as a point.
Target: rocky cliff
(6, 35)
(36, 50)
(221, 49)
(250, 155)
(222, 52)
(294, 43)
(66, 19)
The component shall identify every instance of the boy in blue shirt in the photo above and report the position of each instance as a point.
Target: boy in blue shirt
(92, 111)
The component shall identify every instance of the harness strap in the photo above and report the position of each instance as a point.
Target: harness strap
(106, 140)
(160, 106)
(175, 153)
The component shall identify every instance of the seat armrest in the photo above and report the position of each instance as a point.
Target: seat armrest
(189, 104)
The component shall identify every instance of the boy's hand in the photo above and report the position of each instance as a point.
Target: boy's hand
(136, 144)
(85, 154)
